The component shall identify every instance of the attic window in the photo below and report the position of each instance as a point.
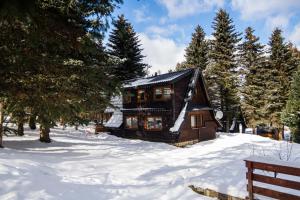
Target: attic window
(197, 121)
(131, 122)
(162, 93)
(153, 123)
(141, 96)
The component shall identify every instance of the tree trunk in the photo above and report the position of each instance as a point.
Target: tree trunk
(1, 124)
(44, 134)
(32, 123)
(20, 131)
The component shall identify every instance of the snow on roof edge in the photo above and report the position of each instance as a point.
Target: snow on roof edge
(179, 119)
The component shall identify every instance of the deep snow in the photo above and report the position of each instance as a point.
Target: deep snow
(80, 165)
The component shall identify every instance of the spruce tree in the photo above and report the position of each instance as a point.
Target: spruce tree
(124, 44)
(221, 75)
(252, 62)
(277, 76)
(196, 54)
(291, 113)
(52, 61)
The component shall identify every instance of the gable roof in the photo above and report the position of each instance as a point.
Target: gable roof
(163, 78)
(188, 104)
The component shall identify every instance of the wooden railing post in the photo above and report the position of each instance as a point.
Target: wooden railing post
(250, 179)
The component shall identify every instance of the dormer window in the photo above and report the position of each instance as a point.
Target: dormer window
(162, 93)
(141, 96)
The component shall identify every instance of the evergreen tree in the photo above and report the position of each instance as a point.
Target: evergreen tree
(196, 54)
(52, 61)
(124, 44)
(278, 78)
(221, 75)
(291, 114)
(252, 62)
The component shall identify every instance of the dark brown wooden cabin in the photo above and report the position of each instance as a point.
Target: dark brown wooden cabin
(172, 108)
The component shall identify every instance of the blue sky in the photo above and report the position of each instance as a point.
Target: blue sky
(165, 26)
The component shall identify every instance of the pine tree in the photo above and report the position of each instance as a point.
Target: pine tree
(277, 76)
(124, 44)
(252, 62)
(291, 114)
(221, 75)
(196, 54)
(52, 61)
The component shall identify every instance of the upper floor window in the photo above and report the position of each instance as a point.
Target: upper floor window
(153, 123)
(162, 93)
(141, 96)
(131, 122)
(197, 121)
(127, 97)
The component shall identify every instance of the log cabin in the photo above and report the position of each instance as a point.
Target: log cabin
(172, 108)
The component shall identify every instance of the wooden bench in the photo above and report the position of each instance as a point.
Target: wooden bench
(276, 168)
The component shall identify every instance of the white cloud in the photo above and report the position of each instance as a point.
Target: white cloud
(161, 53)
(276, 13)
(182, 8)
(163, 30)
(295, 36)
(279, 21)
(140, 15)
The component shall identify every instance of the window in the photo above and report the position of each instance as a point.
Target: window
(141, 96)
(131, 122)
(158, 93)
(162, 93)
(127, 97)
(197, 121)
(153, 123)
(167, 93)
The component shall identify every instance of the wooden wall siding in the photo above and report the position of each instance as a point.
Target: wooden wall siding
(205, 133)
(161, 135)
(199, 96)
(150, 102)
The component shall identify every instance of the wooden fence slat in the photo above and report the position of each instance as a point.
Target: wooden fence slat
(277, 168)
(276, 181)
(274, 194)
(250, 180)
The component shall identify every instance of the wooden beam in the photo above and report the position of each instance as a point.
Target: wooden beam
(275, 181)
(274, 194)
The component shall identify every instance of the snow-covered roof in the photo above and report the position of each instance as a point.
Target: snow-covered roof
(188, 98)
(163, 78)
(198, 107)
(189, 106)
(179, 119)
(116, 103)
(115, 121)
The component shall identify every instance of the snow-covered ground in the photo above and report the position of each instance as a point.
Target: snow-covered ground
(80, 165)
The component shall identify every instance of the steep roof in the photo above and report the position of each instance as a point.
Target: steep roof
(163, 78)
(188, 106)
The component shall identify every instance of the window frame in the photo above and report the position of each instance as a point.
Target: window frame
(139, 97)
(131, 127)
(164, 97)
(127, 97)
(155, 119)
(198, 121)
